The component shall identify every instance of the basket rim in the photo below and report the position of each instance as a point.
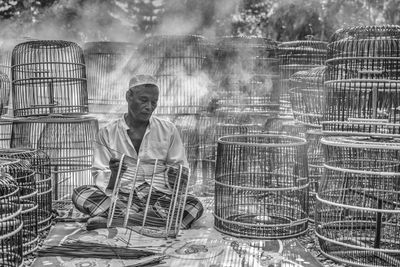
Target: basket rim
(297, 141)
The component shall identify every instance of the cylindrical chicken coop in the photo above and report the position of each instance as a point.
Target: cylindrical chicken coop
(307, 95)
(5, 87)
(209, 130)
(68, 143)
(245, 71)
(362, 77)
(177, 62)
(48, 76)
(39, 162)
(297, 56)
(187, 127)
(25, 178)
(315, 166)
(10, 222)
(261, 186)
(107, 78)
(149, 197)
(357, 216)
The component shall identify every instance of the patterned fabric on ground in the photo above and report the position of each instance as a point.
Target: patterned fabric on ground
(90, 200)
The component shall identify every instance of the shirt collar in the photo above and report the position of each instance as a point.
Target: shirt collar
(126, 127)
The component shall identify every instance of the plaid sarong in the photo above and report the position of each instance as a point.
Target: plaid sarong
(90, 200)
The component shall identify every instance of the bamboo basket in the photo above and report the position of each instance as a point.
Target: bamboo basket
(10, 222)
(5, 87)
(48, 76)
(24, 176)
(261, 186)
(357, 217)
(39, 162)
(362, 78)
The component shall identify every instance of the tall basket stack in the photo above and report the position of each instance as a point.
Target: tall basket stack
(10, 222)
(261, 186)
(39, 162)
(297, 56)
(50, 99)
(24, 177)
(357, 217)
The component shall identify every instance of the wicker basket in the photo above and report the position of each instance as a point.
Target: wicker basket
(261, 186)
(48, 76)
(10, 222)
(357, 217)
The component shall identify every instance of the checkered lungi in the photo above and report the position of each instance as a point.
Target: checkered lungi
(90, 200)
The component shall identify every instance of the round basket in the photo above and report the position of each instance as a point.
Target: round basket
(261, 186)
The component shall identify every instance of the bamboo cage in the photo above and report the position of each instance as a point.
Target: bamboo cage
(10, 222)
(24, 176)
(5, 133)
(155, 208)
(261, 186)
(362, 78)
(107, 78)
(48, 76)
(177, 62)
(68, 143)
(295, 56)
(39, 162)
(315, 166)
(307, 95)
(357, 217)
(209, 130)
(5, 87)
(245, 72)
(187, 126)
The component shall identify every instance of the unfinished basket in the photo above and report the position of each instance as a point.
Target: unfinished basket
(108, 80)
(357, 216)
(261, 186)
(362, 78)
(48, 76)
(10, 222)
(39, 162)
(68, 143)
(177, 62)
(307, 95)
(149, 197)
(24, 176)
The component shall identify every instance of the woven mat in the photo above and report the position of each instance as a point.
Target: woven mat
(200, 246)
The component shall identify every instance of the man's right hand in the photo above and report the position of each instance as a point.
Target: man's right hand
(114, 166)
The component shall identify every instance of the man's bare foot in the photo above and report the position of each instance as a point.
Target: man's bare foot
(96, 223)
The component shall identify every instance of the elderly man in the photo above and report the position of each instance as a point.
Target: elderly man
(138, 135)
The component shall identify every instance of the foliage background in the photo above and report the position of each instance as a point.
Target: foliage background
(130, 20)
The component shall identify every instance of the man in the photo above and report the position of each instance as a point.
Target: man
(138, 135)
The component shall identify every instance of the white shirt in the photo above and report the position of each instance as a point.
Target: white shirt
(161, 141)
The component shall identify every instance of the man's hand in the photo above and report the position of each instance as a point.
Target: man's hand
(173, 176)
(114, 166)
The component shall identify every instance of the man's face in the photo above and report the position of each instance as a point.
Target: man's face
(142, 101)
